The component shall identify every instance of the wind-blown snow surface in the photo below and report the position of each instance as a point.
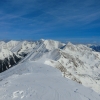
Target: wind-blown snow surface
(37, 81)
(76, 62)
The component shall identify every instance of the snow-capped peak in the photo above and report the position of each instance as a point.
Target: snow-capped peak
(51, 44)
(5, 53)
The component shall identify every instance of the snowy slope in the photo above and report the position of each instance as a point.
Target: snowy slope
(79, 63)
(7, 59)
(76, 62)
(12, 52)
(37, 81)
(11, 44)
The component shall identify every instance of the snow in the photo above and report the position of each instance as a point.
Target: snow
(79, 62)
(11, 44)
(45, 72)
(41, 82)
(5, 53)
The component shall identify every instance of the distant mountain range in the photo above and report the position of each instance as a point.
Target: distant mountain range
(95, 47)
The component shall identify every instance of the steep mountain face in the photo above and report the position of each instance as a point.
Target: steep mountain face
(76, 62)
(12, 52)
(7, 59)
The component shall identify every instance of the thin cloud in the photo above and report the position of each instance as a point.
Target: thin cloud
(41, 16)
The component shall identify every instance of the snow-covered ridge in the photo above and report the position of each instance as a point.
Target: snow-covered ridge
(34, 80)
(79, 63)
(76, 62)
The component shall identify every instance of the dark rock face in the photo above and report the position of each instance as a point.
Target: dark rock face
(8, 62)
(23, 54)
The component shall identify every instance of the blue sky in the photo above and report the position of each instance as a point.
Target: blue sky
(65, 20)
